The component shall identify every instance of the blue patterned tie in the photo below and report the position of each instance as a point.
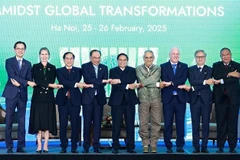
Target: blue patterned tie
(19, 65)
(174, 71)
(174, 68)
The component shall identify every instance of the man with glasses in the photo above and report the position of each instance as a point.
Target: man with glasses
(93, 99)
(19, 78)
(226, 98)
(200, 78)
(150, 107)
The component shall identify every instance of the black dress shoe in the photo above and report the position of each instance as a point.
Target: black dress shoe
(63, 150)
(21, 150)
(180, 149)
(97, 150)
(169, 150)
(196, 150)
(85, 150)
(39, 151)
(204, 150)
(115, 151)
(220, 150)
(45, 151)
(131, 151)
(9, 150)
(232, 150)
(74, 151)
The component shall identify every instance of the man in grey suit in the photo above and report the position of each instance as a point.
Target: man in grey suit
(149, 95)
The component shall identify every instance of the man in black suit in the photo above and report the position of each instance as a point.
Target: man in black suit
(174, 98)
(19, 78)
(68, 100)
(122, 101)
(200, 78)
(226, 97)
(93, 99)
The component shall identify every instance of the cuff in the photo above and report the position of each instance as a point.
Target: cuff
(157, 84)
(222, 82)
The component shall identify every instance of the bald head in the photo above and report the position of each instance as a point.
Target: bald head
(174, 54)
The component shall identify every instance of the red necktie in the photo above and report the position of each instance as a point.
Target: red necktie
(68, 92)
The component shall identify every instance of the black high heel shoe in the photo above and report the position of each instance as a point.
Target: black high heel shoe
(39, 151)
(45, 151)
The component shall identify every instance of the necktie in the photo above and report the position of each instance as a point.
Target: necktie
(96, 71)
(174, 68)
(19, 65)
(200, 69)
(68, 92)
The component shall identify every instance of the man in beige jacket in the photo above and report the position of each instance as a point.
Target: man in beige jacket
(150, 107)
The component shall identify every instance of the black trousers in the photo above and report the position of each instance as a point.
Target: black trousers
(227, 120)
(129, 115)
(198, 110)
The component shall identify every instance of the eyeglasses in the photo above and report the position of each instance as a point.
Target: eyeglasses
(22, 49)
(148, 57)
(200, 57)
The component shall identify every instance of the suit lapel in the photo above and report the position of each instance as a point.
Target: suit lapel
(170, 69)
(91, 69)
(15, 63)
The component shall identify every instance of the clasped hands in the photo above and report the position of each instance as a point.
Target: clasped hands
(118, 81)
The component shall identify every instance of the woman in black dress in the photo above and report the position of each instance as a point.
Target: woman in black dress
(43, 112)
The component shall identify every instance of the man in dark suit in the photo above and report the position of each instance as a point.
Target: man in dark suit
(173, 75)
(122, 101)
(19, 77)
(226, 98)
(200, 78)
(68, 100)
(93, 99)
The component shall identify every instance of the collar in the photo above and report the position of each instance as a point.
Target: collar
(68, 67)
(200, 66)
(19, 59)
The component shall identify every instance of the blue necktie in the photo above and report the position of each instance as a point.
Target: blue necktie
(174, 68)
(174, 72)
(96, 71)
(19, 65)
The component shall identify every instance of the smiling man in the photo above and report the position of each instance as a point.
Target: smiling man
(226, 97)
(150, 106)
(173, 75)
(200, 78)
(19, 78)
(122, 101)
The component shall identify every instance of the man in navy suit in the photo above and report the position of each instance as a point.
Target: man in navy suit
(93, 99)
(68, 100)
(174, 75)
(122, 101)
(200, 78)
(19, 77)
(226, 97)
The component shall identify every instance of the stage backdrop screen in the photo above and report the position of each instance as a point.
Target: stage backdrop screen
(114, 26)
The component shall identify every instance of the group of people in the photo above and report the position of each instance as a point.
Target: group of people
(159, 89)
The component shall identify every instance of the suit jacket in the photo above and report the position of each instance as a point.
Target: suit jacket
(196, 79)
(231, 85)
(41, 92)
(22, 76)
(89, 76)
(119, 93)
(178, 79)
(68, 80)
